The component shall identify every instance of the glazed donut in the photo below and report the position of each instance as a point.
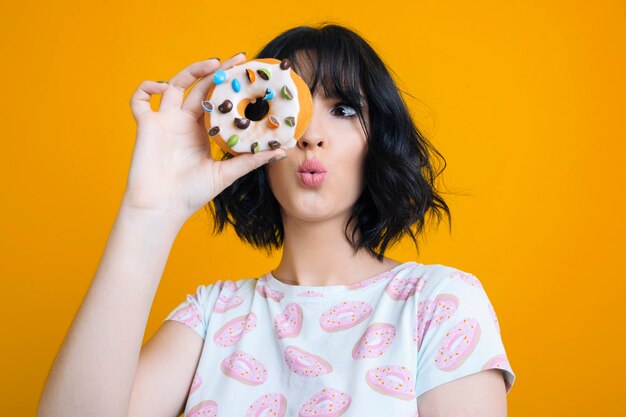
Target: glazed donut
(452, 354)
(305, 363)
(244, 368)
(258, 105)
(392, 380)
(344, 315)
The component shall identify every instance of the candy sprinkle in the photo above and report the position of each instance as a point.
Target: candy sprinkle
(219, 77)
(207, 106)
(264, 73)
(236, 85)
(286, 93)
(232, 140)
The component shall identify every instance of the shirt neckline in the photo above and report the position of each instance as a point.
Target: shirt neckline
(315, 291)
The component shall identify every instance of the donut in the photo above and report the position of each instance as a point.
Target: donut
(344, 315)
(272, 404)
(206, 408)
(328, 402)
(232, 332)
(244, 368)
(305, 363)
(374, 341)
(451, 354)
(289, 323)
(258, 105)
(392, 380)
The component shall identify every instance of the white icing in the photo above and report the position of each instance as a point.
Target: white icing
(280, 107)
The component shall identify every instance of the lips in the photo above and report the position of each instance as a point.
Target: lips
(312, 166)
(312, 180)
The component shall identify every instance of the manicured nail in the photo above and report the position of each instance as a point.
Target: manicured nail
(213, 58)
(161, 81)
(237, 54)
(277, 158)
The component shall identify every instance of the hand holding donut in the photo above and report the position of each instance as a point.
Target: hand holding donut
(172, 171)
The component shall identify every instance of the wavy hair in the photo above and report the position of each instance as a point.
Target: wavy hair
(399, 177)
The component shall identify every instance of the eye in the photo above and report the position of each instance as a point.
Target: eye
(344, 110)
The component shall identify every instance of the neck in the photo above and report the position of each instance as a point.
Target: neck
(318, 254)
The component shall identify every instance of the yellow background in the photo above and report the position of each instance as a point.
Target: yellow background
(524, 99)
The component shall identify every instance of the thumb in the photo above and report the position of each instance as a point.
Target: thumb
(238, 166)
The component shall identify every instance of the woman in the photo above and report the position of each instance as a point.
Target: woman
(337, 328)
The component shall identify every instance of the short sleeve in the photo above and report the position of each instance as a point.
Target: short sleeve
(458, 334)
(194, 311)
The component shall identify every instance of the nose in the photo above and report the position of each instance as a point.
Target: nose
(309, 142)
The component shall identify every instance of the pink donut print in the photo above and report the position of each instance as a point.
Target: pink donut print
(244, 368)
(225, 303)
(266, 292)
(328, 402)
(204, 409)
(273, 404)
(231, 285)
(468, 278)
(403, 288)
(375, 341)
(431, 313)
(494, 317)
(189, 315)
(289, 322)
(232, 332)
(369, 281)
(305, 363)
(310, 293)
(452, 354)
(344, 315)
(500, 362)
(197, 381)
(393, 380)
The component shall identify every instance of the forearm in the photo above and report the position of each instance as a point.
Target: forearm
(94, 371)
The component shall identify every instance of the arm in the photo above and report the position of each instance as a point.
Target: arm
(95, 368)
(478, 395)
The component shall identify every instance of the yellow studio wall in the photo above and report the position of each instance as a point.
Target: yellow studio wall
(525, 100)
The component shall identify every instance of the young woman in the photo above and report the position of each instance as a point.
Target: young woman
(336, 328)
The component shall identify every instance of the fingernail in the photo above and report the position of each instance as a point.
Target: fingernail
(237, 54)
(213, 58)
(161, 81)
(277, 158)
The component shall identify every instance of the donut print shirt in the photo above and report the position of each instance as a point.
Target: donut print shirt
(367, 349)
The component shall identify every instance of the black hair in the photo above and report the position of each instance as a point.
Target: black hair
(399, 190)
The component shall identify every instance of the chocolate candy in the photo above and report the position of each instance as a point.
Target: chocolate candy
(236, 85)
(219, 77)
(255, 147)
(273, 122)
(214, 131)
(269, 94)
(274, 144)
(232, 140)
(264, 73)
(226, 106)
(286, 93)
(250, 75)
(285, 64)
(291, 121)
(242, 123)
(207, 106)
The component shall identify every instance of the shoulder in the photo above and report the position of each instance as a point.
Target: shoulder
(438, 278)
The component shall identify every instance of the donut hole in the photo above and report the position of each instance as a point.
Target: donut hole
(257, 110)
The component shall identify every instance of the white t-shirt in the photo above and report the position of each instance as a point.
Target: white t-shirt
(368, 349)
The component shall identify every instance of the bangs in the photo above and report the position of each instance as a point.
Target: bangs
(328, 61)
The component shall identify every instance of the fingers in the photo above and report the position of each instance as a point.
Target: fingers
(140, 100)
(173, 97)
(231, 169)
(199, 91)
